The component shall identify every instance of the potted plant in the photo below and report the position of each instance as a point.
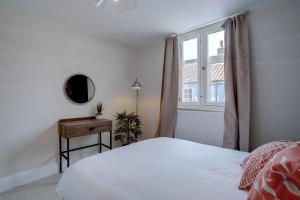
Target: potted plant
(100, 109)
(128, 128)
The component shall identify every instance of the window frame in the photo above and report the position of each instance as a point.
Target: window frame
(202, 61)
(186, 37)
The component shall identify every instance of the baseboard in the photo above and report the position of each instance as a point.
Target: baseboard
(26, 177)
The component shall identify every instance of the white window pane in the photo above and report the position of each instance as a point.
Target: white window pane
(215, 82)
(190, 82)
(216, 44)
(212, 91)
(215, 67)
(220, 93)
(190, 49)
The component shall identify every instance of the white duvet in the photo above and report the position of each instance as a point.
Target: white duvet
(156, 169)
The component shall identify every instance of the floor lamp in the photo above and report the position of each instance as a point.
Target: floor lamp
(136, 86)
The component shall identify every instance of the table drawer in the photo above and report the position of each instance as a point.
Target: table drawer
(89, 129)
(75, 127)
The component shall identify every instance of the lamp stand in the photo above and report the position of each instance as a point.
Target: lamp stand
(136, 86)
(137, 102)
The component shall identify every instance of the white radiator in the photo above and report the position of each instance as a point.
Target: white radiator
(200, 126)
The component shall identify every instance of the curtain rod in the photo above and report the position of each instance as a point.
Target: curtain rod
(209, 23)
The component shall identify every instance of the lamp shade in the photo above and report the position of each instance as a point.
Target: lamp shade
(136, 85)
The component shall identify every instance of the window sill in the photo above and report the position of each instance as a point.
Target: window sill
(201, 108)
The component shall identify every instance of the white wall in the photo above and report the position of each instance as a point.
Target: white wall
(275, 49)
(150, 74)
(275, 43)
(36, 57)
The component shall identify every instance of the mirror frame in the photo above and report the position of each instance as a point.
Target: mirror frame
(65, 86)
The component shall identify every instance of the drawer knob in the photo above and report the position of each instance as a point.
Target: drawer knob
(92, 128)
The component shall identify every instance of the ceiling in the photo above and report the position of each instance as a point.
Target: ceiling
(150, 20)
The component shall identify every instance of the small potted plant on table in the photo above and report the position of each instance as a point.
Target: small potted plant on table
(100, 109)
(128, 128)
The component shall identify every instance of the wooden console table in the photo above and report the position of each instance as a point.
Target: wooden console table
(76, 127)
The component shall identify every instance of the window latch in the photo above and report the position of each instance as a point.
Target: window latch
(203, 67)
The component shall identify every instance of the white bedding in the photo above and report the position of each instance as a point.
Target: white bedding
(156, 169)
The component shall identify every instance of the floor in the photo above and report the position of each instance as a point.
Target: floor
(40, 190)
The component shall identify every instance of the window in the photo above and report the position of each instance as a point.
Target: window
(202, 69)
(188, 95)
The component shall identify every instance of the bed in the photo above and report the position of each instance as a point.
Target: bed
(156, 169)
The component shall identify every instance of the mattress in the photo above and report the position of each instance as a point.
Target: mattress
(156, 169)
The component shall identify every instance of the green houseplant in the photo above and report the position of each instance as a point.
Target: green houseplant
(100, 109)
(128, 127)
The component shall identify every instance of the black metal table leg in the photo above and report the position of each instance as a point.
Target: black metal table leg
(110, 139)
(60, 164)
(68, 152)
(100, 142)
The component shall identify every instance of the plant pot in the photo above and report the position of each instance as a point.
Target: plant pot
(98, 116)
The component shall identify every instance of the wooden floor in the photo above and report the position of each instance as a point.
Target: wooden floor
(40, 190)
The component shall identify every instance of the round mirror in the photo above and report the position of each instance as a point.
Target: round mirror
(79, 89)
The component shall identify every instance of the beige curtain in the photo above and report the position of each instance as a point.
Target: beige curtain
(237, 84)
(169, 91)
